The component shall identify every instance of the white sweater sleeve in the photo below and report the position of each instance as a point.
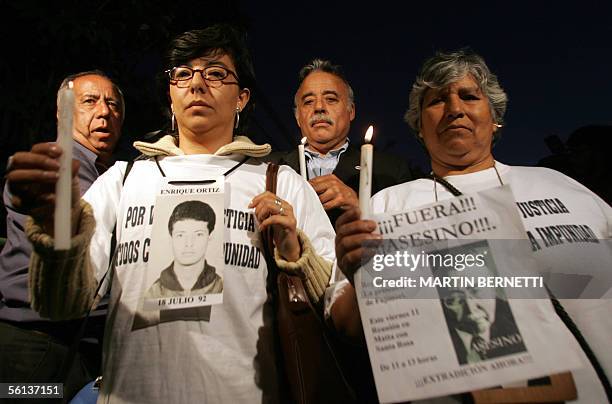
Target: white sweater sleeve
(317, 235)
(63, 283)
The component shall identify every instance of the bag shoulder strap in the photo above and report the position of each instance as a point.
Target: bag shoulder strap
(128, 168)
(271, 180)
(271, 177)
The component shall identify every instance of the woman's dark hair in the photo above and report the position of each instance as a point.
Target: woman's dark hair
(215, 40)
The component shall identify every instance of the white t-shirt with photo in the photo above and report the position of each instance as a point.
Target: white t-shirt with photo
(548, 203)
(227, 356)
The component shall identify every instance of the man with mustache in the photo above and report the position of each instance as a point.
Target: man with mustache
(33, 349)
(324, 108)
(480, 323)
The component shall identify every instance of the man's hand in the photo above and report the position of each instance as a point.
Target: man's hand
(351, 233)
(270, 210)
(334, 193)
(31, 178)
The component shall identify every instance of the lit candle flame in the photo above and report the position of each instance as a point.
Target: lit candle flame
(368, 136)
(304, 140)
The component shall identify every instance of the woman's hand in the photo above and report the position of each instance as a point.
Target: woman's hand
(270, 210)
(31, 177)
(351, 233)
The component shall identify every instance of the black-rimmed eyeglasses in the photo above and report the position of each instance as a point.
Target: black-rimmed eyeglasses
(214, 75)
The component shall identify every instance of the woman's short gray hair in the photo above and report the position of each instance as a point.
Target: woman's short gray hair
(446, 68)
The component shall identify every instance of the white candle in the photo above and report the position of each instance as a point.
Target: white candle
(365, 174)
(302, 158)
(63, 188)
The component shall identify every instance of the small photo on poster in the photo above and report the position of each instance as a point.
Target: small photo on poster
(479, 320)
(184, 274)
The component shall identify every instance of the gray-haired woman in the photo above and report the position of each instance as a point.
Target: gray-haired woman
(456, 109)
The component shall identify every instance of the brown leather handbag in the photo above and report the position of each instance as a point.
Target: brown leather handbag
(310, 364)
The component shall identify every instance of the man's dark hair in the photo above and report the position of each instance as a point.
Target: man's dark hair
(216, 40)
(196, 210)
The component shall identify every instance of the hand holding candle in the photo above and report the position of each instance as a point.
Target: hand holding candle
(302, 158)
(365, 174)
(63, 197)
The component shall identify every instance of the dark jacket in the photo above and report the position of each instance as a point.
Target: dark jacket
(387, 170)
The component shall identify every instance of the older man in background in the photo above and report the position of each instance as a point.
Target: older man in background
(33, 349)
(324, 108)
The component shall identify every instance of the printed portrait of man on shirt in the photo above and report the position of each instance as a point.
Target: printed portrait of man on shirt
(190, 226)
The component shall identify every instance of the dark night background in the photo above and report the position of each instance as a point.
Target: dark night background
(553, 60)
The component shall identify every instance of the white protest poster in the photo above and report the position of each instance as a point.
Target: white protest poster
(453, 301)
(185, 269)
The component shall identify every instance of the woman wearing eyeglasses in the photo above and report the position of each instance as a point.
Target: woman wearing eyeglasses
(456, 109)
(213, 353)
